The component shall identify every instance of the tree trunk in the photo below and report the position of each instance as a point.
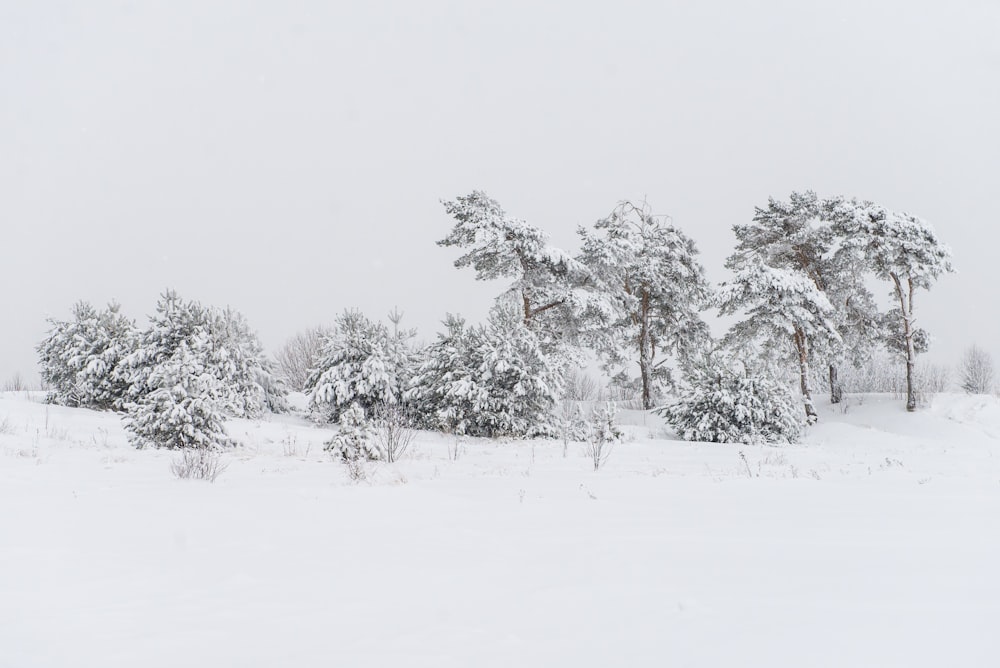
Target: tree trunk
(803, 350)
(836, 391)
(645, 353)
(906, 307)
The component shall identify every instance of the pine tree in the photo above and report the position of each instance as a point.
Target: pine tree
(726, 402)
(899, 248)
(785, 313)
(488, 380)
(797, 236)
(646, 274)
(355, 440)
(362, 362)
(183, 408)
(225, 346)
(545, 280)
(78, 357)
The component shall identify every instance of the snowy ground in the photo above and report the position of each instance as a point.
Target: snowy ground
(875, 544)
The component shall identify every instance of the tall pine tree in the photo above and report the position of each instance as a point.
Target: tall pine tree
(651, 287)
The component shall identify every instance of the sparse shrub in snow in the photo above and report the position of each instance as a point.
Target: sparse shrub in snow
(78, 357)
(977, 371)
(363, 363)
(723, 403)
(393, 426)
(570, 423)
(183, 411)
(578, 386)
(356, 439)
(198, 465)
(602, 434)
(488, 380)
(15, 383)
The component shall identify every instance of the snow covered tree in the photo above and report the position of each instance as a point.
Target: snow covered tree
(78, 357)
(184, 407)
(236, 357)
(225, 346)
(488, 380)
(362, 362)
(785, 313)
(355, 440)
(646, 274)
(544, 278)
(976, 371)
(724, 403)
(797, 235)
(899, 248)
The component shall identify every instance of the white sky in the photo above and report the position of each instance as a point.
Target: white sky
(287, 158)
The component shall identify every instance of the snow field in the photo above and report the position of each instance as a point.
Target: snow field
(876, 543)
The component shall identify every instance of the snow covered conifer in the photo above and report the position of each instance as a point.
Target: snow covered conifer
(723, 403)
(797, 235)
(183, 408)
(362, 362)
(78, 357)
(646, 274)
(488, 380)
(355, 440)
(785, 313)
(899, 248)
(545, 279)
(225, 346)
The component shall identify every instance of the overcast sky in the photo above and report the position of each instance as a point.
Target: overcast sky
(287, 158)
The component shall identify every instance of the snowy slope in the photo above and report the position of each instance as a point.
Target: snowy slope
(876, 543)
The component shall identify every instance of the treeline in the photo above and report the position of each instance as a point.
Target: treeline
(634, 295)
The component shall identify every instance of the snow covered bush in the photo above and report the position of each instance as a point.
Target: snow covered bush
(183, 411)
(78, 357)
(488, 380)
(363, 362)
(222, 346)
(355, 440)
(723, 403)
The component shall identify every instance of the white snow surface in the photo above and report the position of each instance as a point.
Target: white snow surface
(875, 543)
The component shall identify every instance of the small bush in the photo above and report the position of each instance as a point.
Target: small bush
(355, 441)
(976, 371)
(602, 434)
(198, 465)
(393, 431)
(726, 404)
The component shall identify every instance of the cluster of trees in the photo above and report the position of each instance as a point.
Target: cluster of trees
(176, 380)
(633, 296)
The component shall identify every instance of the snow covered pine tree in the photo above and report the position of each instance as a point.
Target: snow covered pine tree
(78, 357)
(649, 289)
(899, 248)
